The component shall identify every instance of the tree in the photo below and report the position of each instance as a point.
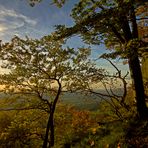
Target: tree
(59, 3)
(120, 25)
(22, 128)
(41, 70)
(115, 24)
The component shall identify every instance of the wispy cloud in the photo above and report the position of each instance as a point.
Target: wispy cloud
(11, 20)
(4, 13)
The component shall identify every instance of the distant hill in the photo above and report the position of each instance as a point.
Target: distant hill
(78, 100)
(81, 101)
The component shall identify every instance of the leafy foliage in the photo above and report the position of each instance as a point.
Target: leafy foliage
(59, 3)
(42, 70)
(24, 129)
(115, 24)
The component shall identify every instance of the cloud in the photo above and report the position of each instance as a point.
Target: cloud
(11, 21)
(5, 13)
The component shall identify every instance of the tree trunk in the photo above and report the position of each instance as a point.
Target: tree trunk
(136, 74)
(50, 127)
(50, 123)
(130, 32)
(51, 130)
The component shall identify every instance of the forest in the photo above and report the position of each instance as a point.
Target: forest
(53, 95)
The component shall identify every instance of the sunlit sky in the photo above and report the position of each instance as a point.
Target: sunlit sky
(17, 17)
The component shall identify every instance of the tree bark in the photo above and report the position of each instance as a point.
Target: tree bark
(136, 74)
(135, 69)
(130, 32)
(50, 127)
(50, 123)
(51, 130)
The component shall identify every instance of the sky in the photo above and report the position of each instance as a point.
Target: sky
(17, 17)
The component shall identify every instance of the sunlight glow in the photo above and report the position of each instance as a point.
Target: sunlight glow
(2, 28)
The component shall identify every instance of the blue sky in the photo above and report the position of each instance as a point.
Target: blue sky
(17, 17)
